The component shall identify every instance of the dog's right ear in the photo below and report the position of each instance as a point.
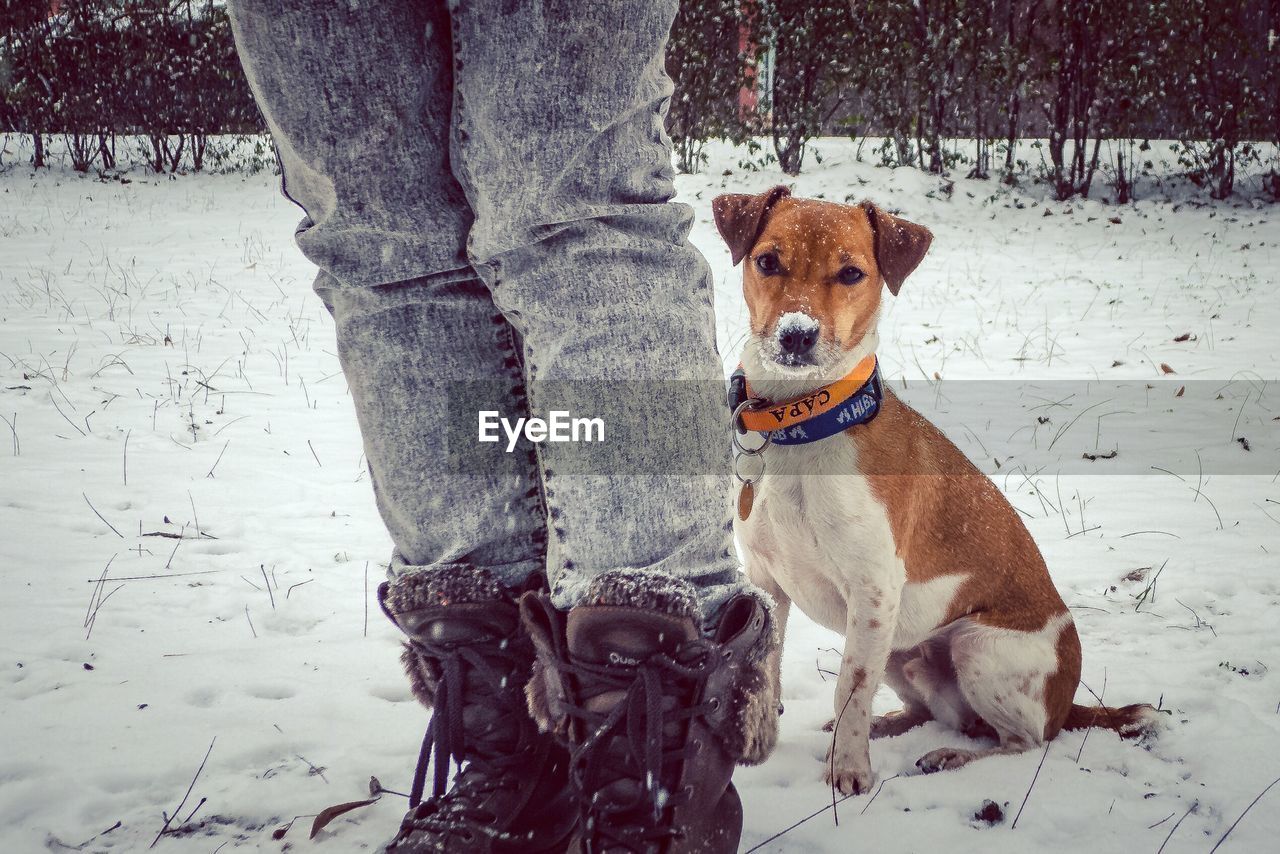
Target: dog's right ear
(741, 218)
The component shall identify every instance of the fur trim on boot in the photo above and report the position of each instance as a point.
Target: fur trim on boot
(412, 593)
(745, 626)
(432, 587)
(645, 589)
(748, 725)
(544, 697)
(753, 728)
(421, 678)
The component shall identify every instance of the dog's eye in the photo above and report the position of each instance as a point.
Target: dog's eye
(850, 275)
(767, 263)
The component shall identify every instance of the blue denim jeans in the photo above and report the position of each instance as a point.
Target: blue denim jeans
(487, 193)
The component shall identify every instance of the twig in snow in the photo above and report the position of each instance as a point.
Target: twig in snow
(792, 827)
(13, 428)
(314, 454)
(1150, 589)
(1199, 622)
(319, 772)
(194, 517)
(100, 516)
(98, 583)
(787, 830)
(1027, 796)
(191, 814)
(1200, 494)
(1242, 815)
(872, 800)
(228, 424)
(93, 617)
(308, 581)
(183, 802)
(1236, 426)
(1072, 422)
(164, 575)
(81, 846)
(126, 456)
(246, 616)
(1100, 705)
(1174, 829)
(219, 459)
(266, 581)
(54, 400)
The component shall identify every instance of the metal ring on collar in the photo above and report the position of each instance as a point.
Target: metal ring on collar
(752, 478)
(737, 436)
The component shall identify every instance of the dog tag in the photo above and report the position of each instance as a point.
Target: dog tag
(746, 496)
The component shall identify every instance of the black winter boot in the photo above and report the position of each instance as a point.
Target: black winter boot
(655, 713)
(469, 661)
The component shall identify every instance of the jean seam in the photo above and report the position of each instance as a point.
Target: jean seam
(536, 469)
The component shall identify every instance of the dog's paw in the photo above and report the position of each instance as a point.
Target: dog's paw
(850, 770)
(850, 780)
(942, 759)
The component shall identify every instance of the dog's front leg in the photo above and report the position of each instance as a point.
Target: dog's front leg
(868, 634)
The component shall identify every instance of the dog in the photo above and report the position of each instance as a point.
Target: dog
(871, 521)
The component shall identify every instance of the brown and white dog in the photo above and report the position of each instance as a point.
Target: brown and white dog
(885, 532)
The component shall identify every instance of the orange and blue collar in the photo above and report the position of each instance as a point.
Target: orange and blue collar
(827, 410)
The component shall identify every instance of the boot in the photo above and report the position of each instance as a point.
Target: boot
(655, 713)
(469, 660)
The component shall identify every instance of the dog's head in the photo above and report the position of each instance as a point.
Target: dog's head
(812, 278)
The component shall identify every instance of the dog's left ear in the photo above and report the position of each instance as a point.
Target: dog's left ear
(741, 218)
(900, 245)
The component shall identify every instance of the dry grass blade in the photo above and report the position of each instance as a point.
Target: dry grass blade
(100, 516)
(1027, 796)
(183, 802)
(1178, 823)
(1224, 836)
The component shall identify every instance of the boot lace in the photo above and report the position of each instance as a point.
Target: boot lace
(485, 756)
(642, 740)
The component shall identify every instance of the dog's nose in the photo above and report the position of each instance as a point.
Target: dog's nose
(797, 340)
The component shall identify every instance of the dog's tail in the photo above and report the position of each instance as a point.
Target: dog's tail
(1135, 721)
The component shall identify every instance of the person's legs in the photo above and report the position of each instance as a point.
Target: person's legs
(657, 673)
(358, 98)
(559, 144)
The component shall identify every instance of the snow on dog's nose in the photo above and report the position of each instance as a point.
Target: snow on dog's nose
(796, 334)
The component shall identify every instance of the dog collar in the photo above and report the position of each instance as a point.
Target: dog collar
(827, 410)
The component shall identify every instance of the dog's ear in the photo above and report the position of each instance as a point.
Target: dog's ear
(900, 245)
(741, 218)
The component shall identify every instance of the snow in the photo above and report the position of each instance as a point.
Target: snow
(166, 368)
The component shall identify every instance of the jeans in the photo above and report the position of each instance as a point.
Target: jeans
(486, 187)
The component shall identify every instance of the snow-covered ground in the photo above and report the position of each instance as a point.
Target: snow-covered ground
(189, 543)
